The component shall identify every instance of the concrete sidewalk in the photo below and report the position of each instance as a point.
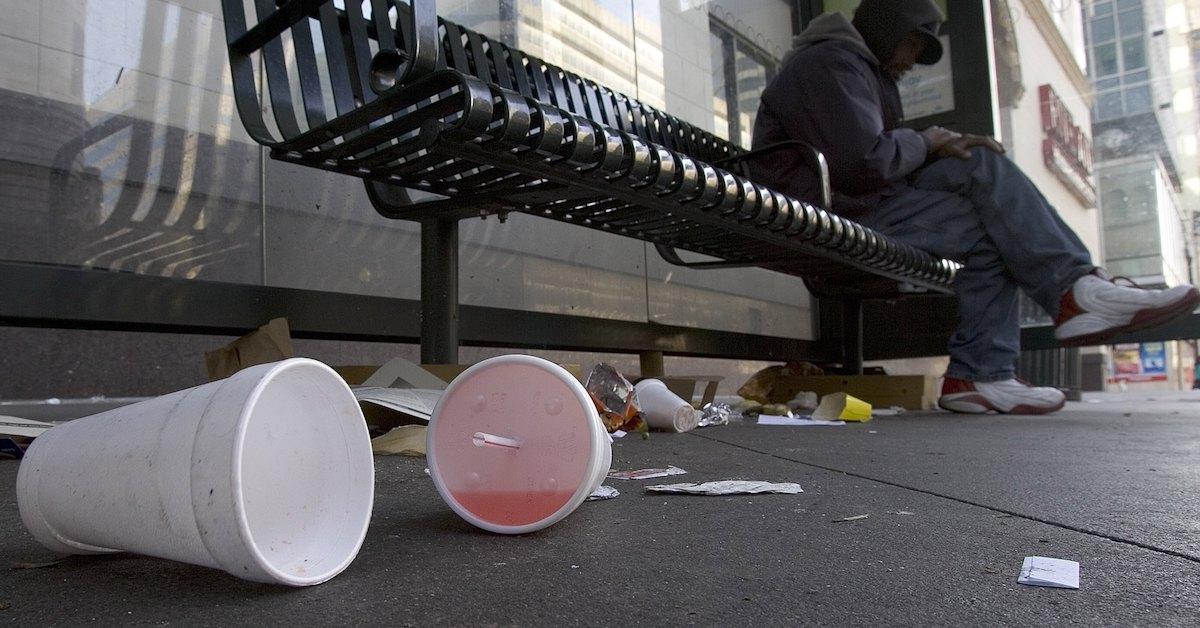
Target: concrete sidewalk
(1110, 482)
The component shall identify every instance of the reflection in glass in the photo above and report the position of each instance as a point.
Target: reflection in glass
(122, 151)
(1105, 58)
(1133, 54)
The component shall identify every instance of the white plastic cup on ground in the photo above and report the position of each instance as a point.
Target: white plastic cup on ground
(515, 444)
(663, 410)
(267, 475)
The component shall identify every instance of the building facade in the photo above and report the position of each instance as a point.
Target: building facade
(1145, 127)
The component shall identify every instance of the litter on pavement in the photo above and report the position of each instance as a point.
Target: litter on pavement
(406, 440)
(645, 474)
(602, 493)
(1040, 571)
(768, 419)
(728, 487)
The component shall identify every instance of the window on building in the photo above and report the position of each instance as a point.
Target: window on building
(1117, 59)
(741, 71)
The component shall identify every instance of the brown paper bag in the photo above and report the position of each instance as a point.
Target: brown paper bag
(270, 343)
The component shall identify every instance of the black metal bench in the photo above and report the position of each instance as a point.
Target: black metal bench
(421, 103)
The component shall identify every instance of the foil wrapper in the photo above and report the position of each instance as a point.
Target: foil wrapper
(716, 414)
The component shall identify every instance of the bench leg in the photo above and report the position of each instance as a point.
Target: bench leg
(652, 363)
(852, 335)
(439, 291)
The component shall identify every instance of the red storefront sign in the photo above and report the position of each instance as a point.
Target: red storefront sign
(1066, 150)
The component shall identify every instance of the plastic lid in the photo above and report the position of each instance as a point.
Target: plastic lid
(515, 444)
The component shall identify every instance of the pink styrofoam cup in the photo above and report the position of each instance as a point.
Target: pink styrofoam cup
(515, 444)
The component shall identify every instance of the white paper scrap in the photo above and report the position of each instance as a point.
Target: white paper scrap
(771, 419)
(604, 492)
(645, 474)
(14, 426)
(728, 487)
(1040, 571)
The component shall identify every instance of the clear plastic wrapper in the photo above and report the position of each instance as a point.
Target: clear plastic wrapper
(615, 399)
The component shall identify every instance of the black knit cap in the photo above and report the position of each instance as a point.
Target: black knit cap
(883, 24)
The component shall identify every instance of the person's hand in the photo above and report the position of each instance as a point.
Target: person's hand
(938, 137)
(961, 146)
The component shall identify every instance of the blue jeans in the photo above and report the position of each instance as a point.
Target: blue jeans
(985, 213)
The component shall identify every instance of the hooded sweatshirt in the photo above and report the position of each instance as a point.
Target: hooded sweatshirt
(832, 93)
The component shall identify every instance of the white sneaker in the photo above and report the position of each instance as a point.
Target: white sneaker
(1096, 309)
(1010, 396)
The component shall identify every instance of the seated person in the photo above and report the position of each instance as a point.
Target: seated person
(954, 195)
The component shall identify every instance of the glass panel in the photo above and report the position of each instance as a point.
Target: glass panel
(1102, 8)
(1133, 53)
(1130, 78)
(120, 147)
(1105, 58)
(1108, 105)
(1131, 22)
(751, 80)
(1137, 99)
(1108, 83)
(1103, 29)
(322, 234)
(745, 300)
(716, 46)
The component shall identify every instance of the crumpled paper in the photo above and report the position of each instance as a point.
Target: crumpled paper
(777, 384)
(715, 414)
(615, 399)
(728, 487)
(602, 493)
(406, 440)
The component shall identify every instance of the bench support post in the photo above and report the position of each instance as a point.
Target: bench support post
(652, 363)
(439, 291)
(852, 335)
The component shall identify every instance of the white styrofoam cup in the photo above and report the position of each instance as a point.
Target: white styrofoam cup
(267, 475)
(664, 410)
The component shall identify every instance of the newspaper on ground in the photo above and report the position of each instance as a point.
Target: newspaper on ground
(416, 402)
(645, 474)
(27, 428)
(728, 487)
(1040, 571)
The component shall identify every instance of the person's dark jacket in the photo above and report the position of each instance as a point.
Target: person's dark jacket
(832, 93)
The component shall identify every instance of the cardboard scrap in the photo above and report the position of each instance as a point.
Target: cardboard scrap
(270, 343)
(728, 487)
(1040, 571)
(406, 440)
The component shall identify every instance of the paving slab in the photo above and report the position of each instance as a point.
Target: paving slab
(654, 559)
(1125, 466)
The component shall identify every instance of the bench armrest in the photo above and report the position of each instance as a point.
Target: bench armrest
(812, 157)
